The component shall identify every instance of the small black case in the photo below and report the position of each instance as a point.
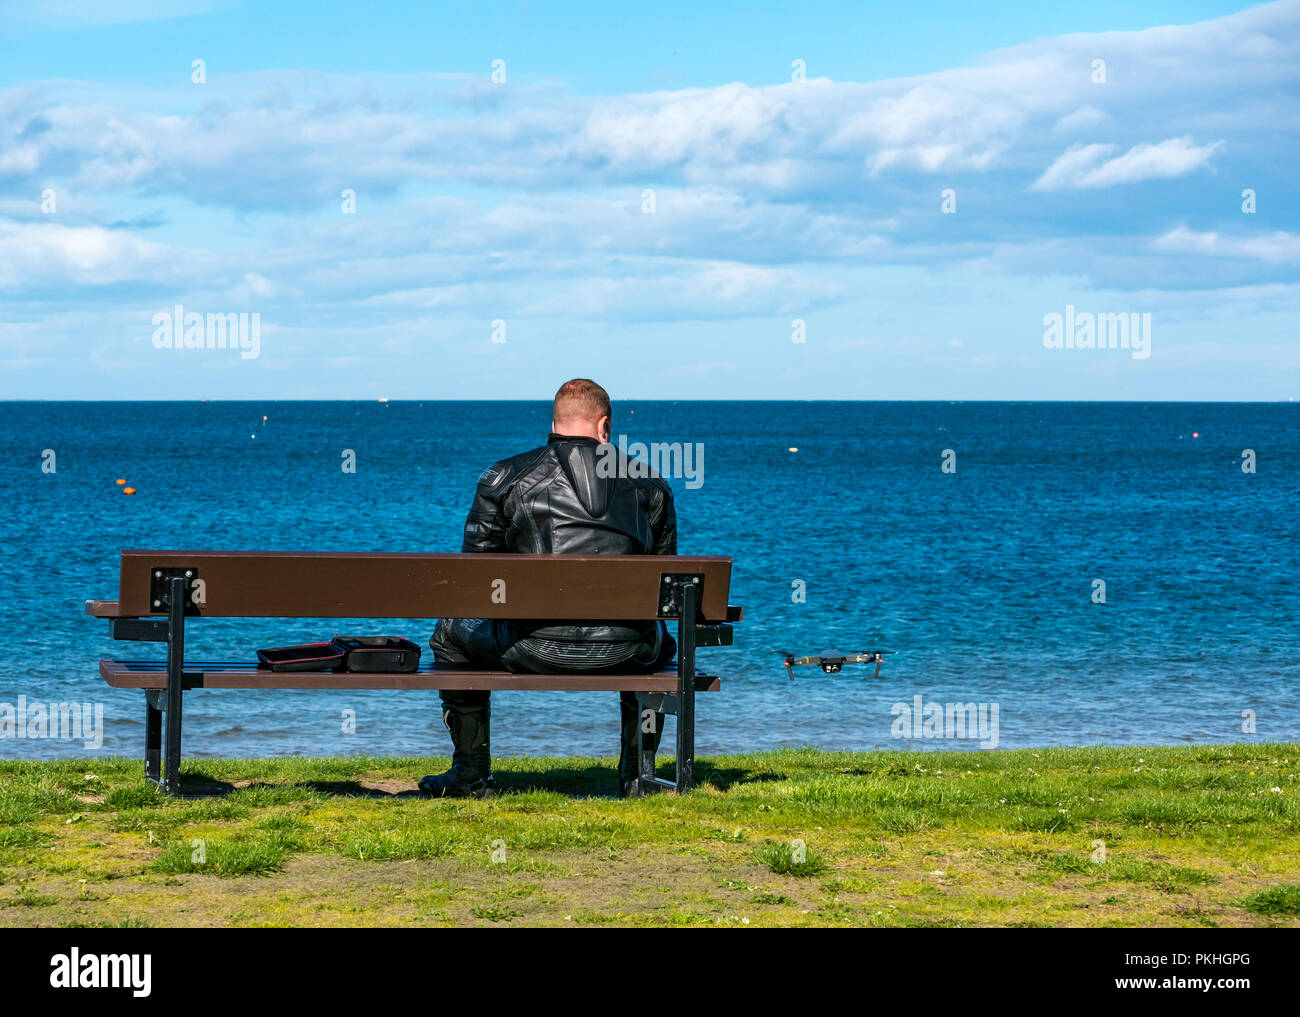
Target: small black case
(306, 657)
(378, 654)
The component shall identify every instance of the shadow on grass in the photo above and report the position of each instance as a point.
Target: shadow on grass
(355, 789)
(726, 777)
(196, 784)
(591, 781)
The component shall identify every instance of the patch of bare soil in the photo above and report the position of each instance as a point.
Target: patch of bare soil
(329, 890)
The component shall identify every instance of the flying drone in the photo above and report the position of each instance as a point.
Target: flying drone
(833, 661)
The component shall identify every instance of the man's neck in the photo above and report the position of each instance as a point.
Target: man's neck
(576, 431)
(563, 436)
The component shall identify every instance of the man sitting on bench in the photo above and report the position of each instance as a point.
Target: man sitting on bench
(567, 497)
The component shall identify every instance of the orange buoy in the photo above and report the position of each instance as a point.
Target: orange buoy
(120, 482)
(1196, 434)
(128, 490)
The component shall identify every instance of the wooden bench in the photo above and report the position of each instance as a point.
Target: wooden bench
(159, 591)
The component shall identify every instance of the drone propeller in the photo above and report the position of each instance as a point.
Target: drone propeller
(791, 660)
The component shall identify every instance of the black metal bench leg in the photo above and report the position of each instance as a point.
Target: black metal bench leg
(645, 766)
(152, 738)
(686, 689)
(177, 591)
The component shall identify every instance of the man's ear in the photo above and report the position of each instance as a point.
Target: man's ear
(554, 429)
(603, 428)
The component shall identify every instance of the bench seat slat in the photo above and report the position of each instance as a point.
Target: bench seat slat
(139, 674)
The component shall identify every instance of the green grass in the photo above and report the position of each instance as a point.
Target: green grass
(26, 897)
(221, 858)
(796, 859)
(401, 844)
(1173, 836)
(1283, 899)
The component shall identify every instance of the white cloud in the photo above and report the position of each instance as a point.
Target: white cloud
(1083, 119)
(1070, 166)
(45, 255)
(291, 139)
(1277, 246)
(254, 288)
(1085, 166)
(528, 198)
(1171, 158)
(708, 290)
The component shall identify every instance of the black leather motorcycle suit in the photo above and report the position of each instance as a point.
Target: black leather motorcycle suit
(573, 495)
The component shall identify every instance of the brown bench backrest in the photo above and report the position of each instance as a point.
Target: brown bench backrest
(293, 584)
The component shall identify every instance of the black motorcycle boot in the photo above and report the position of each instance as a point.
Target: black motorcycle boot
(468, 718)
(632, 727)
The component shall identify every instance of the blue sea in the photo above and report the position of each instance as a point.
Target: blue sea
(984, 580)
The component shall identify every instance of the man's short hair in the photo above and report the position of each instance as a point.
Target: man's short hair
(581, 399)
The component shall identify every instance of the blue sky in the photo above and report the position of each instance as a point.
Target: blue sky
(648, 198)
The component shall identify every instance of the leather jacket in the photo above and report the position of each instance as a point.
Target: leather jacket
(572, 496)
